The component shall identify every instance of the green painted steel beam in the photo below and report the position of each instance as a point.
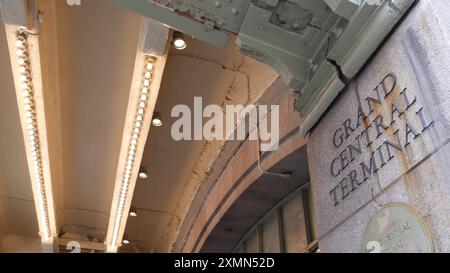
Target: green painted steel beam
(174, 20)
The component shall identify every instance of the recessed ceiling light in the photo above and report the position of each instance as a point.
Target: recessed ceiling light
(178, 41)
(143, 173)
(133, 212)
(125, 240)
(157, 120)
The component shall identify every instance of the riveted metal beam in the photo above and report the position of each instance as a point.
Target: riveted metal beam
(174, 20)
(273, 45)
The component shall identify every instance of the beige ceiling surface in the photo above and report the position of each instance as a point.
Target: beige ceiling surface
(97, 45)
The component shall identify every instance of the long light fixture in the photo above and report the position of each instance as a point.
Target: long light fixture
(150, 61)
(29, 106)
(25, 62)
(135, 133)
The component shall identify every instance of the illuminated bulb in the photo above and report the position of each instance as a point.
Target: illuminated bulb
(20, 52)
(126, 241)
(149, 66)
(178, 41)
(130, 162)
(147, 75)
(122, 197)
(143, 173)
(19, 43)
(138, 124)
(22, 69)
(146, 83)
(179, 44)
(26, 93)
(133, 212)
(139, 118)
(157, 121)
(144, 90)
(140, 111)
(23, 78)
(26, 85)
(28, 101)
(132, 147)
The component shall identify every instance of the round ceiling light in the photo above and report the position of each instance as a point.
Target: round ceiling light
(133, 212)
(143, 173)
(178, 41)
(157, 121)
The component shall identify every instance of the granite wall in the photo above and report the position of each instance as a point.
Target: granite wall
(385, 139)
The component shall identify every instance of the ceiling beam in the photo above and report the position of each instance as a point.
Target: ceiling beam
(24, 47)
(174, 20)
(149, 66)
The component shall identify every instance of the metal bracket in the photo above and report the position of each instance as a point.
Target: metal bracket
(169, 17)
(274, 46)
(20, 13)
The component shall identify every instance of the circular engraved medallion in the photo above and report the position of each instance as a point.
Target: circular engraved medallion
(396, 228)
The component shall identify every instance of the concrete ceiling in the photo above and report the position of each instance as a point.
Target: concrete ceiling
(97, 46)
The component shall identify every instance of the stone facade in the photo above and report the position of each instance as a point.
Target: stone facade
(385, 139)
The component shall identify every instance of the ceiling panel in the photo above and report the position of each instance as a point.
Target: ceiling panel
(97, 47)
